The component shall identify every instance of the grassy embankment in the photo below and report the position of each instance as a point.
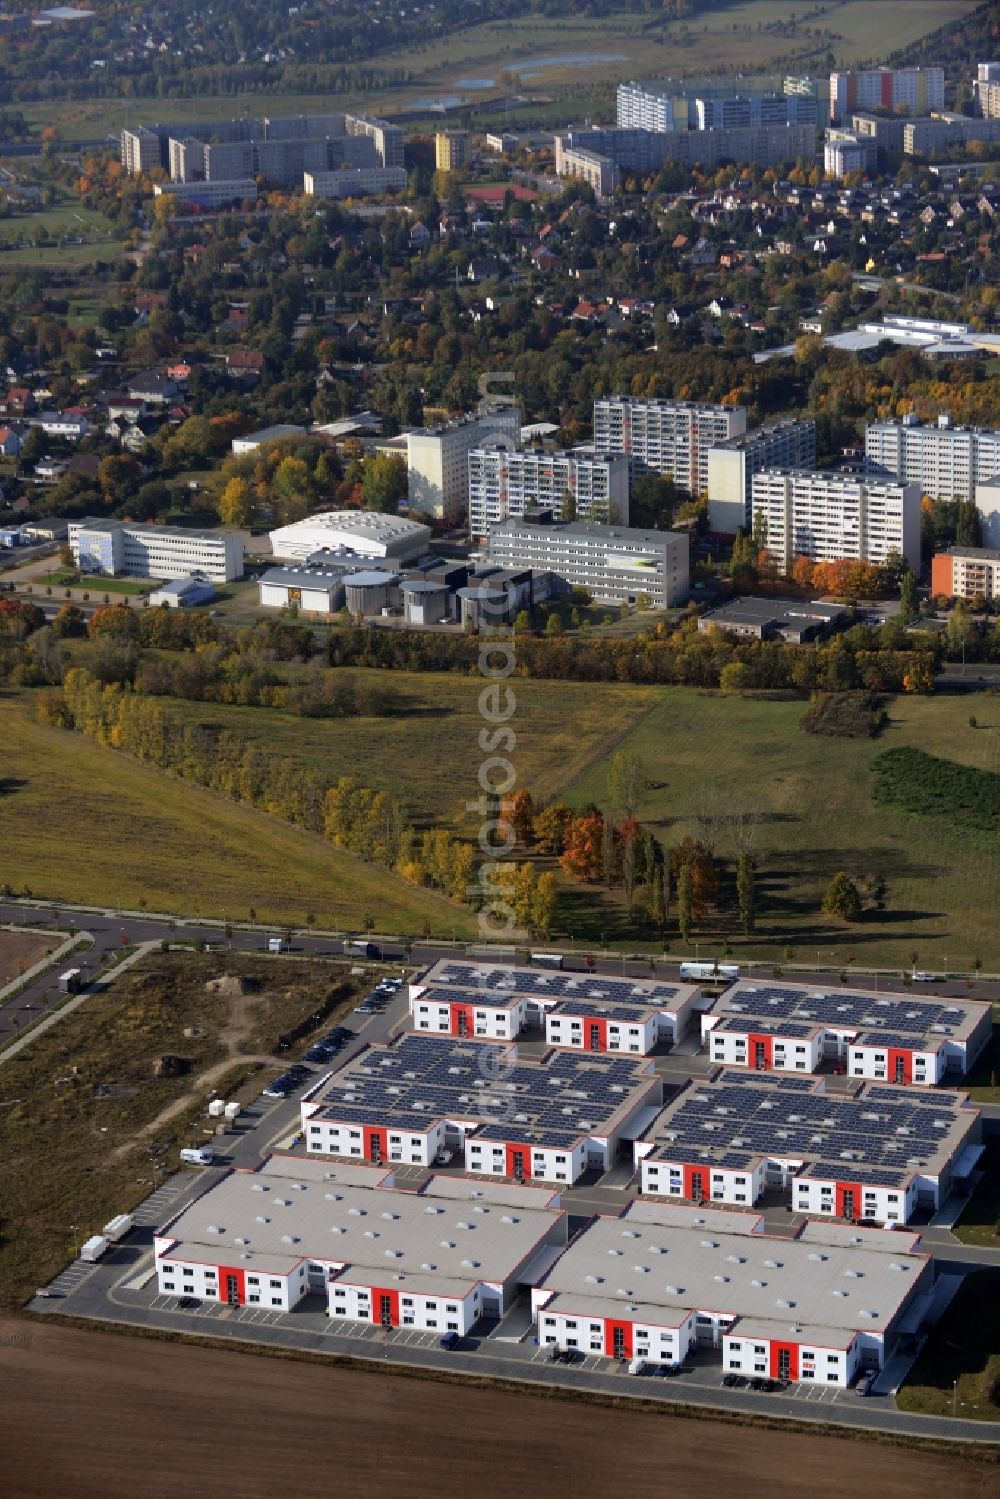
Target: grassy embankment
(958, 1371)
(75, 1136)
(136, 833)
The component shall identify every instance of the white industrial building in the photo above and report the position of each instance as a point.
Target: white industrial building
(667, 437)
(363, 533)
(440, 1257)
(139, 551)
(583, 1012)
(315, 590)
(662, 1281)
(732, 465)
(945, 462)
(219, 193)
(437, 460)
(887, 1037)
(354, 182)
(547, 1120)
(829, 516)
(875, 1156)
(504, 483)
(251, 441)
(616, 564)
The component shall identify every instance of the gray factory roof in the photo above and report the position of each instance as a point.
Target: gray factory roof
(421, 1080)
(547, 985)
(370, 580)
(658, 1263)
(922, 1024)
(291, 1210)
(582, 529)
(879, 1135)
(423, 585)
(295, 577)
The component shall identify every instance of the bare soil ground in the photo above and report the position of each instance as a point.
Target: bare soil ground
(88, 1412)
(19, 950)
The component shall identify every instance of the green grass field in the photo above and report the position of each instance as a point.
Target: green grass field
(136, 833)
(958, 1371)
(429, 754)
(818, 817)
(642, 45)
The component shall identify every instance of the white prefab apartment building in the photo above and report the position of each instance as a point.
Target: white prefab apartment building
(894, 1038)
(918, 91)
(583, 1012)
(616, 564)
(829, 516)
(112, 546)
(661, 1281)
(427, 1095)
(437, 460)
(438, 1258)
(503, 483)
(668, 437)
(874, 1156)
(732, 465)
(945, 462)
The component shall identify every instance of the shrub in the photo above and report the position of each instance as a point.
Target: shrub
(926, 784)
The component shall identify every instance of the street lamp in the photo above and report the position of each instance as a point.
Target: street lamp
(76, 1242)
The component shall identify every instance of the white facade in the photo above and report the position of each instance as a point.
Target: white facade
(845, 154)
(438, 460)
(634, 1036)
(354, 182)
(732, 465)
(614, 565)
(208, 194)
(435, 1012)
(830, 516)
(503, 483)
(668, 437)
(541, 1163)
(946, 462)
(917, 91)
(365, 533)
(155, 551)
(729, 1048)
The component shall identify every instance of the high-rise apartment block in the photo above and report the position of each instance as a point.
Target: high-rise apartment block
(666, 437)
(830, 516)
(140, 150)
(946, 462)
(732, 465)
(503, 483)
(966, 573)
(437, 460)
(451, 150)
(916, 90)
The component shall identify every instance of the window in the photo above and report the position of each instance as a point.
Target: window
(275, 1300)
(807, 1373)
(832, 1378)
(254, 1296)
(338, 1311)
(340, 1294)
(831, 1358)
(275, 1284)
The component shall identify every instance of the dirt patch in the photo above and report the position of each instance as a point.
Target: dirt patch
(19, 951)
(92, 1410)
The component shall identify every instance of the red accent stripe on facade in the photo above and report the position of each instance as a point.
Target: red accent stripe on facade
(610, 1328)
(792, 1349)
(225, 1272)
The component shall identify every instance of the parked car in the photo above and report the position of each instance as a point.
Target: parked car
(450, 1340)
(866, 1384)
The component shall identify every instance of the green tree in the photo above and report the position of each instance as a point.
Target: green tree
(909, 603)
(842, 898)
(626, 782)
(522, 622)
(553, 625)
(684, 900)
(567, 506)
(745, 893)
(384, 482)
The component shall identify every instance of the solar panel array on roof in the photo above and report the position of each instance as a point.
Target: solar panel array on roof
(589, 1010)
(906, 1020)
(879, 1136)
(422, 1079)
(554, 985)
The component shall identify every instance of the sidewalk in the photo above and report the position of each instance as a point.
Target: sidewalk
(78, 999)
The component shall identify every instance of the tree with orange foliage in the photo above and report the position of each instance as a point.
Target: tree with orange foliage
(692, 855)
(803, 572)
(519, 810)
(582, 858)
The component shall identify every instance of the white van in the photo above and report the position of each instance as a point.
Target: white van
(275, 944)
(637, 1366)
(198, 1156)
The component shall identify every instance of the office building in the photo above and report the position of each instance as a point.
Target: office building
(208, 195)
(666, 437)
(584, 1012)
(732, 465)
(660, 1281)
(832, 516)
(917, 91)
(362, 533)
(437, 460)
(442, 1257)
(966, 573)
(877, 1155)
(504, 483)
(755, 618)
(889, 1037)
(946, 462)
(546, 1120)
(616, 564)
(355, 182)
(139, 551)
(931, 137)
(451, 150)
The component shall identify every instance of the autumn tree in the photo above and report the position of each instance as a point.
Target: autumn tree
(519, 811)
(582, 855)
(745, 892)
(384, 482)
(549, 828)
(842, 898)
(237, 506)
